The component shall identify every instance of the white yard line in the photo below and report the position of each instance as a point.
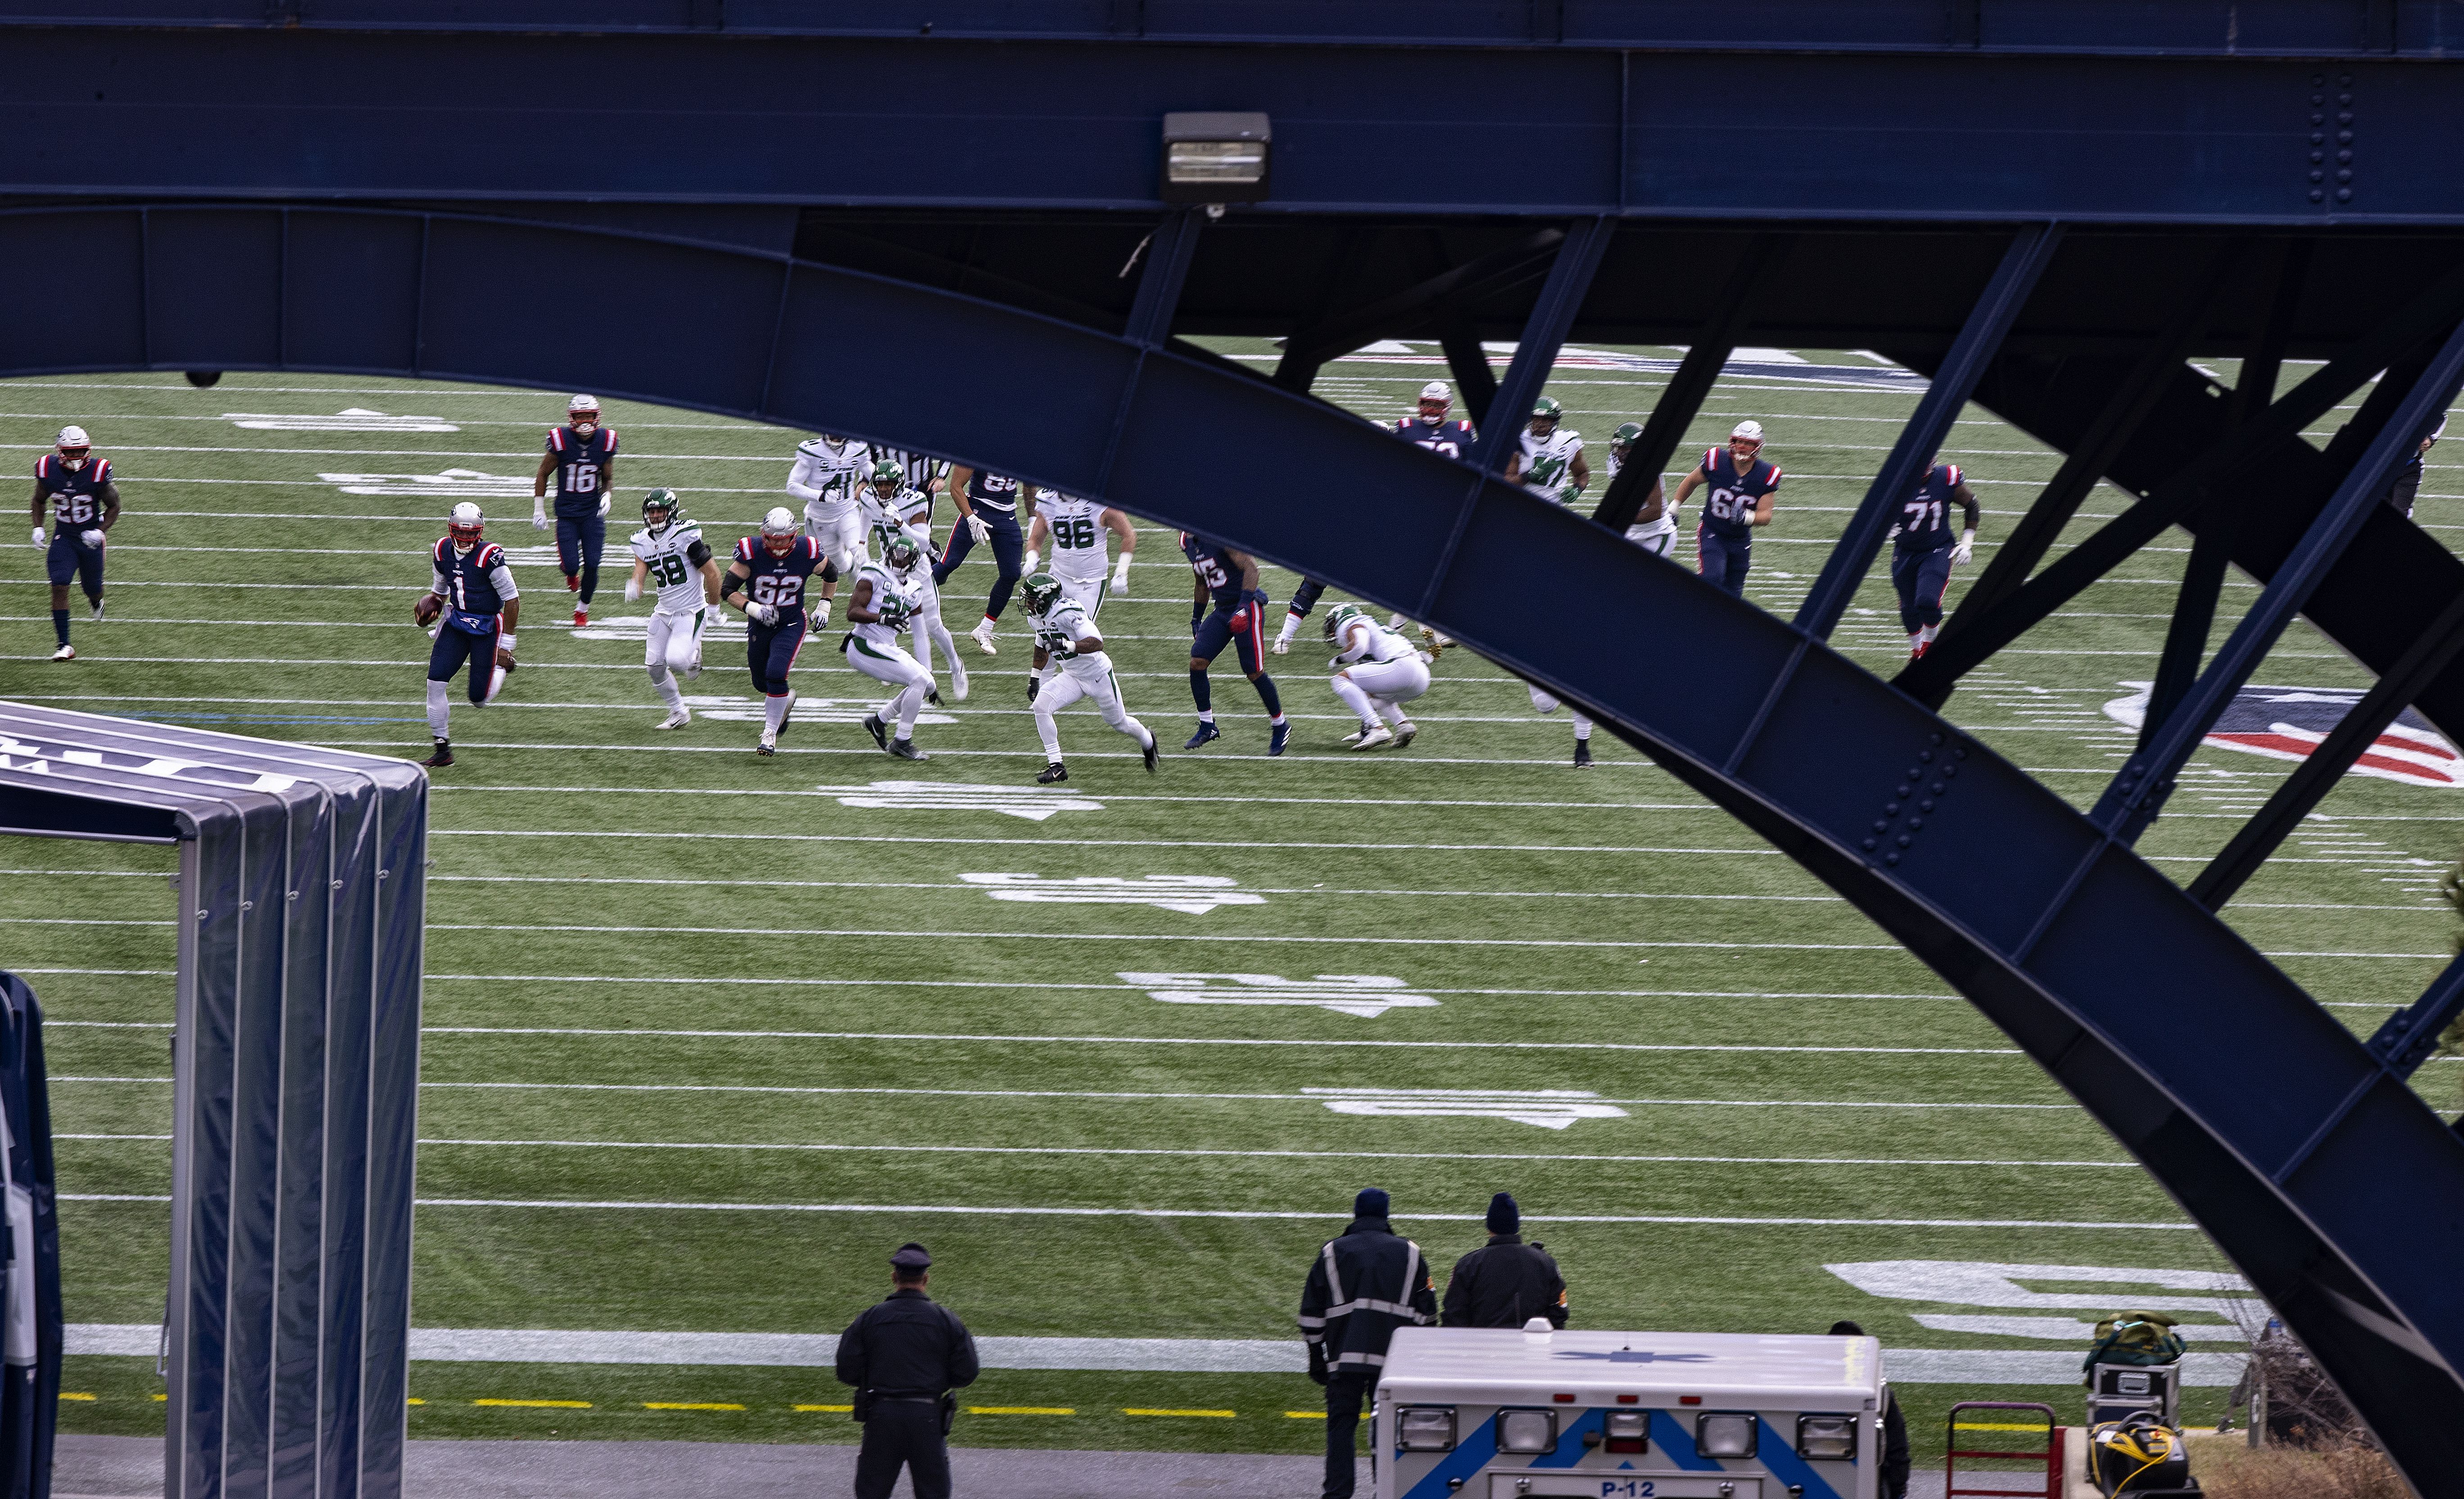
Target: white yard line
(1012, 843)
(964, 1039)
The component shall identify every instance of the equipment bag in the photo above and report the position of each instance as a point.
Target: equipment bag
(2136, 1337)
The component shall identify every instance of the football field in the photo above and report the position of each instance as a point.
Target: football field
(707, 1035)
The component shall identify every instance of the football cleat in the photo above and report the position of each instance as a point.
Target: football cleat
(1153, 748)
(581, 616)
(1356, 736)
(572, 583)
(1438, 643)
(97, 615)
(65, 654)
(676, 719)
(1282, 644)
(958, 680)
(905, 749)
(1582, 754)
(1405, 733)
(769, 745)
(1373, 737)
(440, 756)
(1058, 772)
(982, 636)
(692, 668)
(1278, 736)
(933, 696)
(1916, 652)
(880, 733)
(788, 716)
(1205, 731)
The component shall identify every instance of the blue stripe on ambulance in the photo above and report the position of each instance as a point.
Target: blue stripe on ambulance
(1673, 1441)
(1778, 1453)
(1472, 1453)
(1570, 1443)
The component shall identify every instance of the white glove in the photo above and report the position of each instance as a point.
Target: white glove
(605, 500)
(538, 515)
(38, 539)
(821, 611)
(761, 613)
(632, 589)
(1966, 550)
(91, 535)
(1121, 578)
(1031, 556)
(976, 528)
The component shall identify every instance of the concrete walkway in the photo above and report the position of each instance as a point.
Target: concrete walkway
(131, 1468)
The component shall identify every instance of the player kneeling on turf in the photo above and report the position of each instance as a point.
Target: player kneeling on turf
(1064, 637)
(1375, 673)
(879, 608)
(670, 555)
(473, 604)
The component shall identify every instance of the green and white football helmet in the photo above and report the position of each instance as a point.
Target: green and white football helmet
(887, 479)
(1339, 616)
(661, 509)
(1545, 414)
(1040, 591)
(1621, 441)
(898, 548)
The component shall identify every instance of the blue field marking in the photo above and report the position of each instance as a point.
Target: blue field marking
(1778, 1453)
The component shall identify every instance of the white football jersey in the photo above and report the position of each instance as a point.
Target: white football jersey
(886, 583)
(910, 508)
(1078, 535)
(1364, 639)
(1645, 530)
(1059, 631)
(1548, 462)
(827, 474)
(671, 569)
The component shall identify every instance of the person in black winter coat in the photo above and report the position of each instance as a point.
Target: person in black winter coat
(903, 1355)
(1363, 1285)
(1505, 1283)
(1894, 1429)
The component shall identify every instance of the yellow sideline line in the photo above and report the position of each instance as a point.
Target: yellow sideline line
(1220, 1414)
(579, 1406)
(688, 1405)
(1022, 1410)
(841, 1408)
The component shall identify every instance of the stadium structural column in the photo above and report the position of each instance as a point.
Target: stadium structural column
(1696, 373)
(2232, 449)
(2301, 791)
(2406, 1038)
(2134, 397)
(1526, 374)
(1169, 250)
(2139, 790)
(1979, 338)
(1410, 310)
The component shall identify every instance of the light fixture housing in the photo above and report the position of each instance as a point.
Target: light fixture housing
(1827, 1438)
(1426, 1428)
(1216, 157)
(1626, 1431)
(1527, 1431)
(1727, 1433)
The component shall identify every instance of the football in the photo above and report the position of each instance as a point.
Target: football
(425, 610)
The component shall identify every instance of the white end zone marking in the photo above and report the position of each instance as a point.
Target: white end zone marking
(1193, 894)
(1035, 803)
(1362, 994)
(1547, 1108)
(2064, 1330)
(1986, 1283)
(453, 484)
(350, 419)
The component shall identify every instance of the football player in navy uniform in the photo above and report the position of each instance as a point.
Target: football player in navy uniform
(1741, 486)
(1230, 580)
(76, 486)
(770, 581)
(472, 601)
(581, 455)
(988, 512)
(1921, 561)
(2406, 482)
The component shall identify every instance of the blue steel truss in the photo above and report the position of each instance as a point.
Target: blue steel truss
(2301, 1150)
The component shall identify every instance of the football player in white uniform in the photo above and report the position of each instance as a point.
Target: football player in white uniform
(1065, 640)
(827, 472)
(1550, 460)
(879, 608)
(1375, 673)
(888, 503)
(1076, 529)
(1654, 524)
(671, 557)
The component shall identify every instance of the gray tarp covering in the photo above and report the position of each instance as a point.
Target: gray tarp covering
(300, 893)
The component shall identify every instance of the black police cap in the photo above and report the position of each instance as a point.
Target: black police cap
(911, 1258)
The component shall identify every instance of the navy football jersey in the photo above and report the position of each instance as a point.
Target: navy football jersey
(992, 492)
(75, 494)
(472, 601)
(1924, 522)
(581, 467)
(1731, 497)
(1221, 574)
(782, 580)
(1450, 437)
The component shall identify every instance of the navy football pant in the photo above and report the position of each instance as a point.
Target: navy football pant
(1305, 598)
(1238, 629)
(1920, 577)
(1725, 560)
(578, 541)
(770, 651)
(1009, 550)
(455, 647)
(69, 558)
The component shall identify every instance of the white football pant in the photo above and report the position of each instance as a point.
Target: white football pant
(841, 535)
(1548, 704)
(896, 666)
(1084, 676)
(673, 649)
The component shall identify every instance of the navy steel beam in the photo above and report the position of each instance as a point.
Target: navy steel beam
(1912, 453)
(2233, 1086)
(2409, 1036)
(1416, 308)
(1704, 357)
(386, 116)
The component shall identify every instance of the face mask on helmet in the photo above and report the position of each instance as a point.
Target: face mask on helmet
(899, 552)
(778, 532)
(582, 412)
(465, 525)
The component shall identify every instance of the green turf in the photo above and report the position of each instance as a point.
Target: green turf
(599, 887)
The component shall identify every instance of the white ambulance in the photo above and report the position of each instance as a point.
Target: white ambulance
(1499, 1414)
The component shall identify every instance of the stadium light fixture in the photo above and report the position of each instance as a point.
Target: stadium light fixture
(1215, 156)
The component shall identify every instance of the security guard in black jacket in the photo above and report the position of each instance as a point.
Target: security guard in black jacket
(1363, 1286)
(903, 1355)
(1507, 1282)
